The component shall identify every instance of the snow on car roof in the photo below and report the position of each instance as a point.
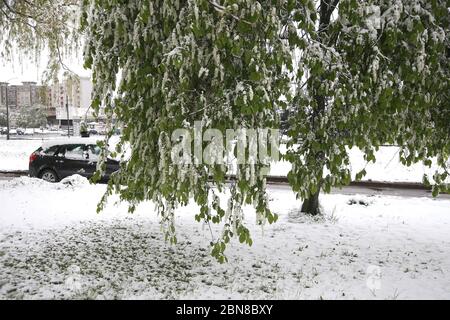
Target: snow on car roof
(57, 142)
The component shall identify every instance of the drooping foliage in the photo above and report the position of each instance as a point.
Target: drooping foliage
(177, 62)
(364, 73)
(29, 28)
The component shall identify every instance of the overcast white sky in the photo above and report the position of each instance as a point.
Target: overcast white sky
(31, 70)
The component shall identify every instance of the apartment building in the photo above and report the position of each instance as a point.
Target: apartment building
(26, 95)
(72, 99)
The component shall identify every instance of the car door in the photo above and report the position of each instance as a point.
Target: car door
(72, 159)
(47, 158)
(93, 152)
(111, 166)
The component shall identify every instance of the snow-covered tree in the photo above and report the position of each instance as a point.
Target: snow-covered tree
(3, 119)
(364, 73)
(176, 62)
(31, 117)
(369, 73)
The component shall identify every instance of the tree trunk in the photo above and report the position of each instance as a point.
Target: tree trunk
(311, 204)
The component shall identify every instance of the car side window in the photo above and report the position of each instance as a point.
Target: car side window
(74, 152)
(93, 152)
(50, 151)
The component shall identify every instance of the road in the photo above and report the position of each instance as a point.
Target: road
(366, 188)
(36, 136)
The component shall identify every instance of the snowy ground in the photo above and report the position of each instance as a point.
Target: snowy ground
(54, 245)
(14, 155)
(387, 167)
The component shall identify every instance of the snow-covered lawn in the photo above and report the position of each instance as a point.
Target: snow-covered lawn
(54, 245)
(387, 167)
(14, 155)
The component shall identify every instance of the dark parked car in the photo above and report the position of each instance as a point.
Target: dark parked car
(56, 160)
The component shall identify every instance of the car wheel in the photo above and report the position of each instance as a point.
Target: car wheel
(49, 175)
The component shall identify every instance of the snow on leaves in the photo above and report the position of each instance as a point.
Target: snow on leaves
(211, 61)
(366, 73)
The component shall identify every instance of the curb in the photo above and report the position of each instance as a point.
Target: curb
(14, 173)
(392, 185)
(365, 183)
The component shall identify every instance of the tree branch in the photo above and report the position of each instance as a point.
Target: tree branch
(16, 12)
(222, 9)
